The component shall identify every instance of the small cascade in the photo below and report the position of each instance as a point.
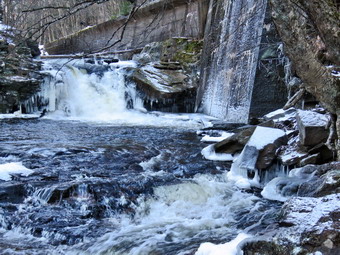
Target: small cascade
(82, 90)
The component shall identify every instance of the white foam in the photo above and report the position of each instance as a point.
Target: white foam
(230, 248)
(209, 153)
(13, 168)
(179, 212)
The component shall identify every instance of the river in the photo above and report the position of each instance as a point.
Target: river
(86, 179)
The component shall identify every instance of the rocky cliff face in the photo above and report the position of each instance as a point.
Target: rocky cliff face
(310, 31)
(18, 73)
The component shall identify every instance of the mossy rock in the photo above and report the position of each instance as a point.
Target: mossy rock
(183, 50)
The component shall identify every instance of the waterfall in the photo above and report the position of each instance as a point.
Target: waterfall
(83, 90)
(231, 50)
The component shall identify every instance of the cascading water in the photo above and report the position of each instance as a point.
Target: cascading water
(86, 91)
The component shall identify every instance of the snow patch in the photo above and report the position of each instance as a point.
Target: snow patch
(310, 118)
(223, 135)
(230, 248)
(263, 136)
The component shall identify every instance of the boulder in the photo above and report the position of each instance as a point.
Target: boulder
(260, 150)
(312, 127)
(165, 89)
(291, 155)
(236, 142)
(168, 73)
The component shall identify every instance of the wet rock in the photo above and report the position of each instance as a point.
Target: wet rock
(12, 192)
(291, 155)
(168, 73)
(312, 127)
(265, 247)
(311, 159)
(236, 142)
(325, 154)
(167, 88)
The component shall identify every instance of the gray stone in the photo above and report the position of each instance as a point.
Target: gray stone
(234, 143)
(312, 127)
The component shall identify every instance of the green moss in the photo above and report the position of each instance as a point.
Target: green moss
(182, 50)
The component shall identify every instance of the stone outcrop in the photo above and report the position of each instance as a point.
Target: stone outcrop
(310, 32)
(237, 141)
(260, 151)
(19, 78)
(167, 74)
(307, 226)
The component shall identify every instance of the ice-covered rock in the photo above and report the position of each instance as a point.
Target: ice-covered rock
(260, 151)
(165, 89)
(312, 127)
(234, 143)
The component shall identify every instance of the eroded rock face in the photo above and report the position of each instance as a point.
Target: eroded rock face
(18, 73)
(168, 73)
(310, 31)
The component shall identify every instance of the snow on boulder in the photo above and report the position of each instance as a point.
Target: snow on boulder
(312, 127)
(260, 151)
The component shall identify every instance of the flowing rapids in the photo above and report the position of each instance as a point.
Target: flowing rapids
(97, 176)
